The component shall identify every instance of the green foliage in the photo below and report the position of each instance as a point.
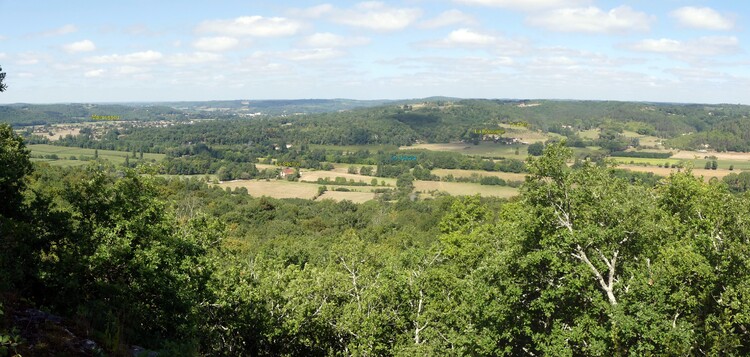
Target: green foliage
(642, 154)
(536, 149)
(14, 166)
(589, 260)
(405, 183)
(3, 86)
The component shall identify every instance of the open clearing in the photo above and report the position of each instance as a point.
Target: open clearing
(356, 197)
(352, 148)
(644, 140)
(707, 174)
(58, 134)
(274, 188)
(508, 176)
(483, 149)
(697, 163)
(736, 156)
(61, 163)
(288, 189)
(64, 153)
(313, 176)
(465, 188)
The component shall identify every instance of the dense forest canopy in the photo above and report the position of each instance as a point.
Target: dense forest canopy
(582, 263)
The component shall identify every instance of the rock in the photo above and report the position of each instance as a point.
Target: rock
(138, 351)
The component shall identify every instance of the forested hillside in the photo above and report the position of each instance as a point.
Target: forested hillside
(582, 263)
(41, 114)
(690, 126)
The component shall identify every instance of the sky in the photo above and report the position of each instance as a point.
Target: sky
(147, 51)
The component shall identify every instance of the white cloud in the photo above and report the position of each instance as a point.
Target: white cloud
(63, 30)
(317, 54)
(140, 30)
(469, 37)
(526, 4)
(702, 18)
(593, 20)
(3, 55)
(473, 39)
(181, 59)
(374, 15)
(255, 26)
(447, 18)
(329, 40)
(129, 70)
(3, 38)
(215, 44)
(702, 46)
(313, 12)
(135, 57)
(80, 46)
(27, 59)
(94, 73)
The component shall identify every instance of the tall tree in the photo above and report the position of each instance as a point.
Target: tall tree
(3, 86)
(14, 165)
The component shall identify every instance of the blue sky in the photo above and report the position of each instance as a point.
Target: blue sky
(113, 51)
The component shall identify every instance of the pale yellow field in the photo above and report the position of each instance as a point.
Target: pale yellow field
(313, 176)
(344, 168)
(437, 147)
(467, 173)
(57, 134)
(274, 188)
(356, 197)
(463, 188)
(707, 174)
(684, 154)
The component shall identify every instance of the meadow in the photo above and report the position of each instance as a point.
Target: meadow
(465, 188)
(482, 149)
(64, 153)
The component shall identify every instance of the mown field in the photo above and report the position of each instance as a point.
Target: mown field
(356, 197)
(483, 149)
(372, 148)
(508, 176)
(307, 190)
(465, 188)
(697, 163)
(313, 176)
(707, 174)
(64, 153)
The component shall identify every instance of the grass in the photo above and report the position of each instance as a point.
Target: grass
(707, 174)
(465, 188)
(64, 153)
(275, 188)
(483, 149)
(313, 176)
(211, 177)
(356, 197)
(61, 163)
(372, 147)
(508, 176)
(697, 163)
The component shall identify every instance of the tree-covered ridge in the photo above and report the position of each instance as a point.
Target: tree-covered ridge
(40, 114)
(582, 263)
(721, 127)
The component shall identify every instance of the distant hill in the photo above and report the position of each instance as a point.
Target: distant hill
(39, 114)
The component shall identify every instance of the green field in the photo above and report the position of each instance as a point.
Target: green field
(64, 153)
(371, 147)
(483, 149)
(697, 163)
